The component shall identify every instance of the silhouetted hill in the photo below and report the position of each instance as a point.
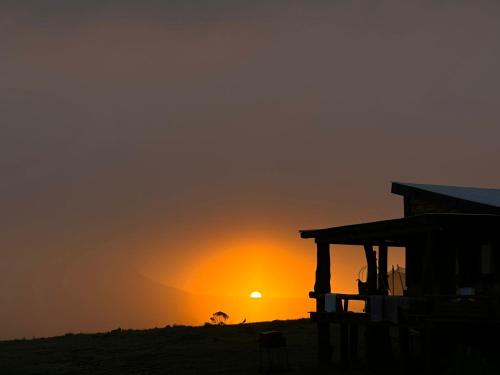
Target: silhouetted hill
(104, 300)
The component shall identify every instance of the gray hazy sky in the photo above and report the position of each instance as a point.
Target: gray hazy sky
(137, 136)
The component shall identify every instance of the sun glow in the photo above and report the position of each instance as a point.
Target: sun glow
(229, 271)
(256, 294)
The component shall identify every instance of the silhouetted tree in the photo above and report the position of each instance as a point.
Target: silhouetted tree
(219, 318)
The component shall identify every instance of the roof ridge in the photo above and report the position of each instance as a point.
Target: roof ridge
(444, 185)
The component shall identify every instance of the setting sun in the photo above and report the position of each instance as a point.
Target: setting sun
(256, 294)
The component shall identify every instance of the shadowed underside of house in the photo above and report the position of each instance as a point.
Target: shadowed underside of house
(451, 240)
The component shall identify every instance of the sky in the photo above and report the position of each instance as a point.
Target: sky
(159, 156)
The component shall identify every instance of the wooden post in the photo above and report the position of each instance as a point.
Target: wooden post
(382, 269)
(427, 348)
(413, 268)
(384, 334)
(371, 263)
(344, 343)
(377, 335)
(371, 280)
(353, 341)
(322, 285)
(428, 266)
(404, 343)
(322, 282)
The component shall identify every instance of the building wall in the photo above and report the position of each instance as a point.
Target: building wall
(422, 205)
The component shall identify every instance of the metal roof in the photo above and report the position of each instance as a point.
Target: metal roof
(490, 197)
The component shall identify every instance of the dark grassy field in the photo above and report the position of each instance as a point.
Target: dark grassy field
(231, 349)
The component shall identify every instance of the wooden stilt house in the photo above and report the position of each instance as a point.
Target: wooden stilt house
(451, 299)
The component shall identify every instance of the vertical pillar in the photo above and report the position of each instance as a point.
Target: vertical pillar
(344, 343)
(353, 342)
(377, 335)
(382, 269)
(322, 285)
(404, 344)
(413, 268)
(384, 337)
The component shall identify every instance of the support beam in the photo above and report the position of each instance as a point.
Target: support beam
(382, 270)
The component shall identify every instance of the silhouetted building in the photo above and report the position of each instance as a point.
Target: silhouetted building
(450, 293)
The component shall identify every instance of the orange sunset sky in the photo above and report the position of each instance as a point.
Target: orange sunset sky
(158, 158)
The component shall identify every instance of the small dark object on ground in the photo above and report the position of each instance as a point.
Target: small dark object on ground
(273, 343)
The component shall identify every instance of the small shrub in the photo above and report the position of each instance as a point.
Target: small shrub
(219, 318)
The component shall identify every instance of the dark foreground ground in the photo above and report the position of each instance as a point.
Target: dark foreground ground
(183, 350)
(172, 350)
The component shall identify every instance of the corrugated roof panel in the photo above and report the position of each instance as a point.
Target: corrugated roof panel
(489, 197)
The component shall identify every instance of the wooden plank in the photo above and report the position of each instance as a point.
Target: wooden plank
(382, 269)
(346, 305)
(352, 297)
(403, 230)
(340, 317)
